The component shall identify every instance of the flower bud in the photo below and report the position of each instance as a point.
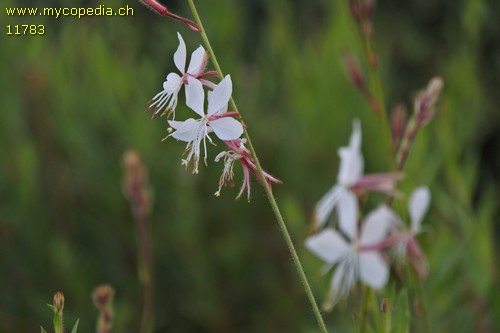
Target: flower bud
(59, 302)
(103, 295)
(103, 299)
(383, 305)
(135, 183)
(162, 10)
(353, 71)
(58, 307)
(426, 100)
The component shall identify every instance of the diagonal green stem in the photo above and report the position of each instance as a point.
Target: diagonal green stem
(267, 188)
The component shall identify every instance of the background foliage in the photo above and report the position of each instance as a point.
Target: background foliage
(72, 103)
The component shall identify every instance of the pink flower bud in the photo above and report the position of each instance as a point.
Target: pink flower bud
(354, 72)
(163, 11)
(426, 100)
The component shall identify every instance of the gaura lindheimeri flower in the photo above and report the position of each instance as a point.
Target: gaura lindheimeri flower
(240, 153)
(357, 258)
(217, 119)
(351, 180)
(167, 98)
(406, 244)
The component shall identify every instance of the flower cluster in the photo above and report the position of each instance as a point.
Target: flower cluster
(214, 118)
(361, 250)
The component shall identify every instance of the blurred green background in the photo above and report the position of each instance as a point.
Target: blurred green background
(72, 102)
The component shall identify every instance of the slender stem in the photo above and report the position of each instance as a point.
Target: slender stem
(267, 188)
(146, 276)
(379, 325)
(364, 309)
(418, 306)
(376, 88)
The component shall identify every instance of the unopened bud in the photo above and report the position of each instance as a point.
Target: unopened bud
(162, 10)
(135, 180)
(355, 8)
(426, 100)
(59, 302)
(368, 7)
(398, 123)
(383, 305)
(103, 299)
(354, 71)
(103, 295)
(362, 10)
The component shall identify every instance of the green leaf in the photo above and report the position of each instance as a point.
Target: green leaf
(75, 328)
(42, 330)
(401, 322)
(52, 307)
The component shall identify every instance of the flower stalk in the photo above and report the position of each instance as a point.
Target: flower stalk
(362, 10)
(58, 307)
(265, 184)
(135, 187)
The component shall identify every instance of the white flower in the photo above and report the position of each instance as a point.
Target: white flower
(168, 96)
(406, 245)
(351, 169)
(356, 259)
(217, 119)
(350, 179)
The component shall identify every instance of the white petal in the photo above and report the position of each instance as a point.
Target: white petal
(196, 60)
(328, 245)
(348, 213)
(373, 270)
(185, 130)
(220, 95)
(172, 82)
(227, 128)
(342, 281)
(376, 225)
(195, 96)
(180, 55)
(418, 205)
(351, 159)
(325, 206)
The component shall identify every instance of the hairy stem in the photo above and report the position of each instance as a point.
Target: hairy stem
(265, 184)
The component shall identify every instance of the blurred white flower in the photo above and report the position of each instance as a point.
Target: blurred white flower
(358, 258)
(217, 119)
(167, 98)
(350, 180)
(406, 245)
